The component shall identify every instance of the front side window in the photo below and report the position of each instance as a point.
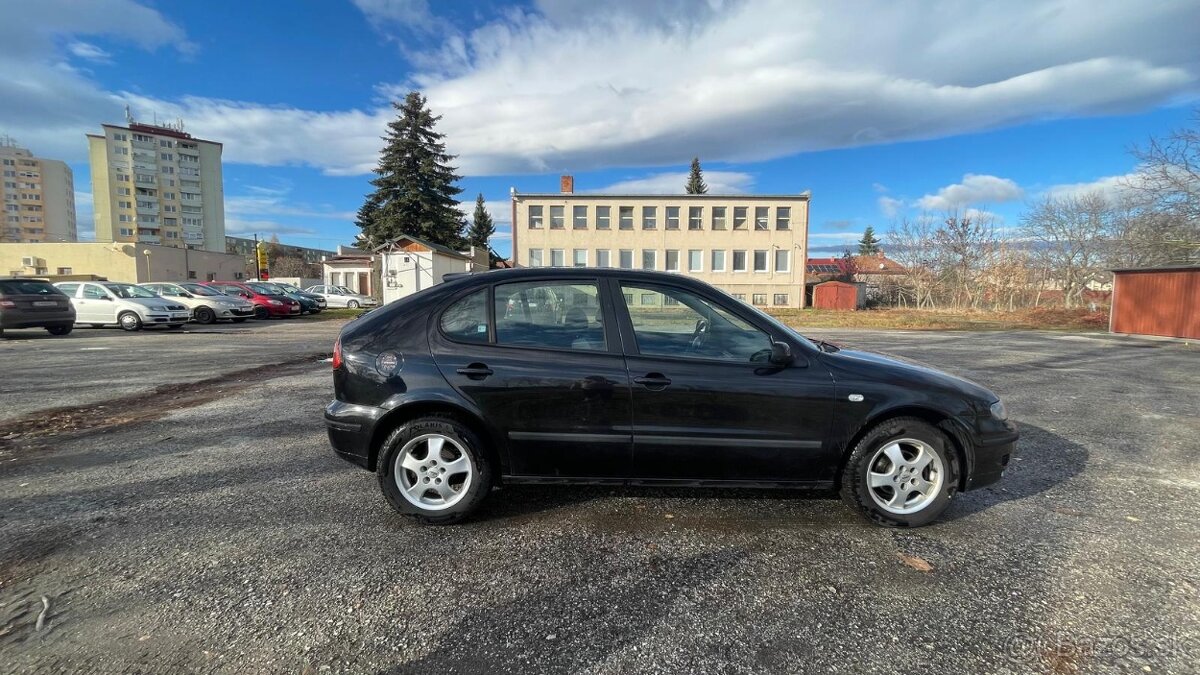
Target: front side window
(677, 323)
(467, 320)
(549, 315)
(93, 292)
(535, 217)
(603, 217)
(649, 218)
(579, 217)
(695, 217)
(556, 217)
(625, 216)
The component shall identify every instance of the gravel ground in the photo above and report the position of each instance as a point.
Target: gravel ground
(225, 537)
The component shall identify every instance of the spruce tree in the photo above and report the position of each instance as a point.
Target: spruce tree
(869, 244)
(695, 183)
(415, 191)
(482, 227)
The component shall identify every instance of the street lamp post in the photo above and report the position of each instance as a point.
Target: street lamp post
(147, 254)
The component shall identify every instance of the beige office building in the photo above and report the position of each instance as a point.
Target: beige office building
(38, 196)
(155, 184)
(753, 247)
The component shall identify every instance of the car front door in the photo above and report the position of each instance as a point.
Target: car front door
(542, 362)
(95, 305)
(707, 402)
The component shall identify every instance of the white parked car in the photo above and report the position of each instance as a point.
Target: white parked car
(207, 304)
(103, 303)
(340, 296)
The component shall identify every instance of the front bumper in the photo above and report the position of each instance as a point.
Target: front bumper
(993, 452)
(236, 313)
(350, 428)
(166, 317)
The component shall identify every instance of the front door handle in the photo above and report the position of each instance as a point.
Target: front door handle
(653, 381)
(475, 371)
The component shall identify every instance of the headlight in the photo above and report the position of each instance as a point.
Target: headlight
(275, 302)
(999, 411)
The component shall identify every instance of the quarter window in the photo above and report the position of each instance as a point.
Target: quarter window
(550, 315)
(467, 320)
(676, 323)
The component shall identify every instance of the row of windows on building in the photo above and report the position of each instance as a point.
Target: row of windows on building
(582, 217)
(674, 260)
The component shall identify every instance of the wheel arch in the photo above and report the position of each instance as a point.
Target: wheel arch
(397, 416)
(938, 419)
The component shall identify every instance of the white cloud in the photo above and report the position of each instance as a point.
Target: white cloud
(574, 86)
(1110, 186)
(86, 50)
(384, 13)
(974, 189)
(672, 183)
(277, 202)
(890, 206)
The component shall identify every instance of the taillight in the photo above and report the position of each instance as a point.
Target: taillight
(337, 354)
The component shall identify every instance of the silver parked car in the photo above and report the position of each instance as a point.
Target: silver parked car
(207, 304)
(340, 296)
(103, 303)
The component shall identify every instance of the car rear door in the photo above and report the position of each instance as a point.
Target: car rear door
(541, 359)
(707, 403)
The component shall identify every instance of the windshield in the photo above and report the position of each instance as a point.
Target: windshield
(344, 291)
(288, 287)
(265, 289)
(129, 291)
(205, 291)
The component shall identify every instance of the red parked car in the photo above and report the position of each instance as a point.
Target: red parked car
(268, 301)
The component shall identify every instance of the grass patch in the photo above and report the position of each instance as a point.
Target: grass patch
(1038, 318)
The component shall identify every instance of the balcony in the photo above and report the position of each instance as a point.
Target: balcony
(147, 210)
(146, 180)
(142, 144)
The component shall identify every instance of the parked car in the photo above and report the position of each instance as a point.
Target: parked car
(103, 303)
(34, 303)
(207, 305)
(289, 288)
(340, 296)
(268, 302)
(309, 304)
(631, 377)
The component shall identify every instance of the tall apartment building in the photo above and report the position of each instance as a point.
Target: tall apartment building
(155, 184)
(38, 196)
(752, 246)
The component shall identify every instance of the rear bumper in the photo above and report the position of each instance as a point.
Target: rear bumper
(992, 455)
(23, 319)
(350, 428)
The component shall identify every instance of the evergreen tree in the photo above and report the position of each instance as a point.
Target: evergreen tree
(415, 191)
(869, 244)
(695, 183)
(482, 227)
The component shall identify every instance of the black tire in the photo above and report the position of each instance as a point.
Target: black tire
(353, 304)
(261, 313)
(59, 330)
(204, 315)
(129, 321)
(857, 492)
(240, 319)
(472, 446)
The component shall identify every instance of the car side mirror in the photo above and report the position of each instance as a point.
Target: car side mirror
(104, 297)
(781, 353)
(186, 295)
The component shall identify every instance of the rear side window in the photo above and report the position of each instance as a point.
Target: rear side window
(549, 314)
(68, 289)
(467, 319)
(23, 287)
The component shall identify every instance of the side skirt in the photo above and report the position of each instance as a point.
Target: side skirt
(669, 482)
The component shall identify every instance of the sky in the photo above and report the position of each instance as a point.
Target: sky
(882, 110)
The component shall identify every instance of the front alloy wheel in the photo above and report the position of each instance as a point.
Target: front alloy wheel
(902, 473)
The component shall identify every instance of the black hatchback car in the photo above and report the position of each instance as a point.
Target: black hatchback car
(629, 377)
(34, 303)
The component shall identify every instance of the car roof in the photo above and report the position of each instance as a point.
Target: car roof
(519, 273)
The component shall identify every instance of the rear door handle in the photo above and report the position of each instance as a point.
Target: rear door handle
(653, 381)
(475, 371)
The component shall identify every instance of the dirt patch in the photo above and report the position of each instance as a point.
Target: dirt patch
(75, 420)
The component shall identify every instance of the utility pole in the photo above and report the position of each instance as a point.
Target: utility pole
(257, 271)
(187, 269)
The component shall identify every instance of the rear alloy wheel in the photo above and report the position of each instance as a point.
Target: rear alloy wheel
(130, 321)
(433, 468)
(353, 304)
(204, 315)
(902, 473)
(59, 330)
(261, 313)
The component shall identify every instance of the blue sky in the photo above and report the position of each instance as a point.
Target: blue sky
(883, 110)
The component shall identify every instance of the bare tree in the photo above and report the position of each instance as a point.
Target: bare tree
(964, 244)
(911, 243)
(1071, 237)
(1166, 187)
